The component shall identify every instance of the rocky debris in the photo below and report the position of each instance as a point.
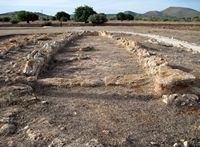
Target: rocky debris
(20, 89)
(7, 129)
(94, 143)
(60, 82)
(171, 80)
(14, 44)
(167, 79)
(57, 143)
(34, 137)
(92, 83)
(177, 145)
(131, 79)
(195, 90)
(86, 49)
(34, 63)
(184, 143)
(71, 59)
(186, 100)
(110, 80)
(38, 58)
(44, 38)
(154, 41)
(16, 90)
(79, 81)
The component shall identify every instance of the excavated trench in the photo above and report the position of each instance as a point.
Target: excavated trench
(95, 93)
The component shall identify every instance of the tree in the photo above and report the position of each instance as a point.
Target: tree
(121, 16)
(98, 18)
(27, 16)
(6, 19)
(53, 18)
(14, 21)
(33, 16)
(82, 13)
(62, 16)
(129, 17)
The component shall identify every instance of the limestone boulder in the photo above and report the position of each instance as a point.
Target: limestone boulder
(169, 79)
(180, 100)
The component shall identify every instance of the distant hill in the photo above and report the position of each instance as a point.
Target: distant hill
(180, 12)
(13, 14)
(154, 13)
(171, 12)
(132, 13)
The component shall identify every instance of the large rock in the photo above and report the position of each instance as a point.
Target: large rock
(94, 143)
(7, 129)
(60, 82)
(189, 100)
(171, 80)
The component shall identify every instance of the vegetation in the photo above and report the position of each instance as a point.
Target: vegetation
(6, 19)
(26, 16)
(196, 18)
(53, 18)
(83, 13)
(122, 16)
(129, 17)
(62, 16)
(14, 21)
(87, 14)
(98, 18)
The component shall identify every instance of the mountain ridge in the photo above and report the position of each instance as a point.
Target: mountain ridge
(177, 12)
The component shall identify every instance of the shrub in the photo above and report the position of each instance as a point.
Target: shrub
(62, 16)
(6, 19)
(196, 18)
(83, 13)
(98, 18)
(14, 21)
(129, 17)
(121, 16)
(27, 16)
(53, 18)
(1, 19)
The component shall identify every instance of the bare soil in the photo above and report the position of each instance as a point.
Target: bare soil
(110, 99)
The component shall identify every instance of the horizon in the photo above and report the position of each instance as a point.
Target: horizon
(108, 7)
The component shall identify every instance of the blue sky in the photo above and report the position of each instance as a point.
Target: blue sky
(106, 6)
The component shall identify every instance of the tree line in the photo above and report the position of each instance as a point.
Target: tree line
(85, 14)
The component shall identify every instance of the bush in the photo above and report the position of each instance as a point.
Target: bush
(14, 21)
(62, 16)
(27, 16)
(122, 16)
(1, 19)
(83, 13)
(6, 19)
(53, 18)
(98, 18)
(129, 17)
(196, 18)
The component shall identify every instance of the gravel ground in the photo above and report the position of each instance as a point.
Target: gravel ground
(125, 112)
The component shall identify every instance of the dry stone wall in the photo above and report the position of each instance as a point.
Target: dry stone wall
(40, 57)
(167, 79)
